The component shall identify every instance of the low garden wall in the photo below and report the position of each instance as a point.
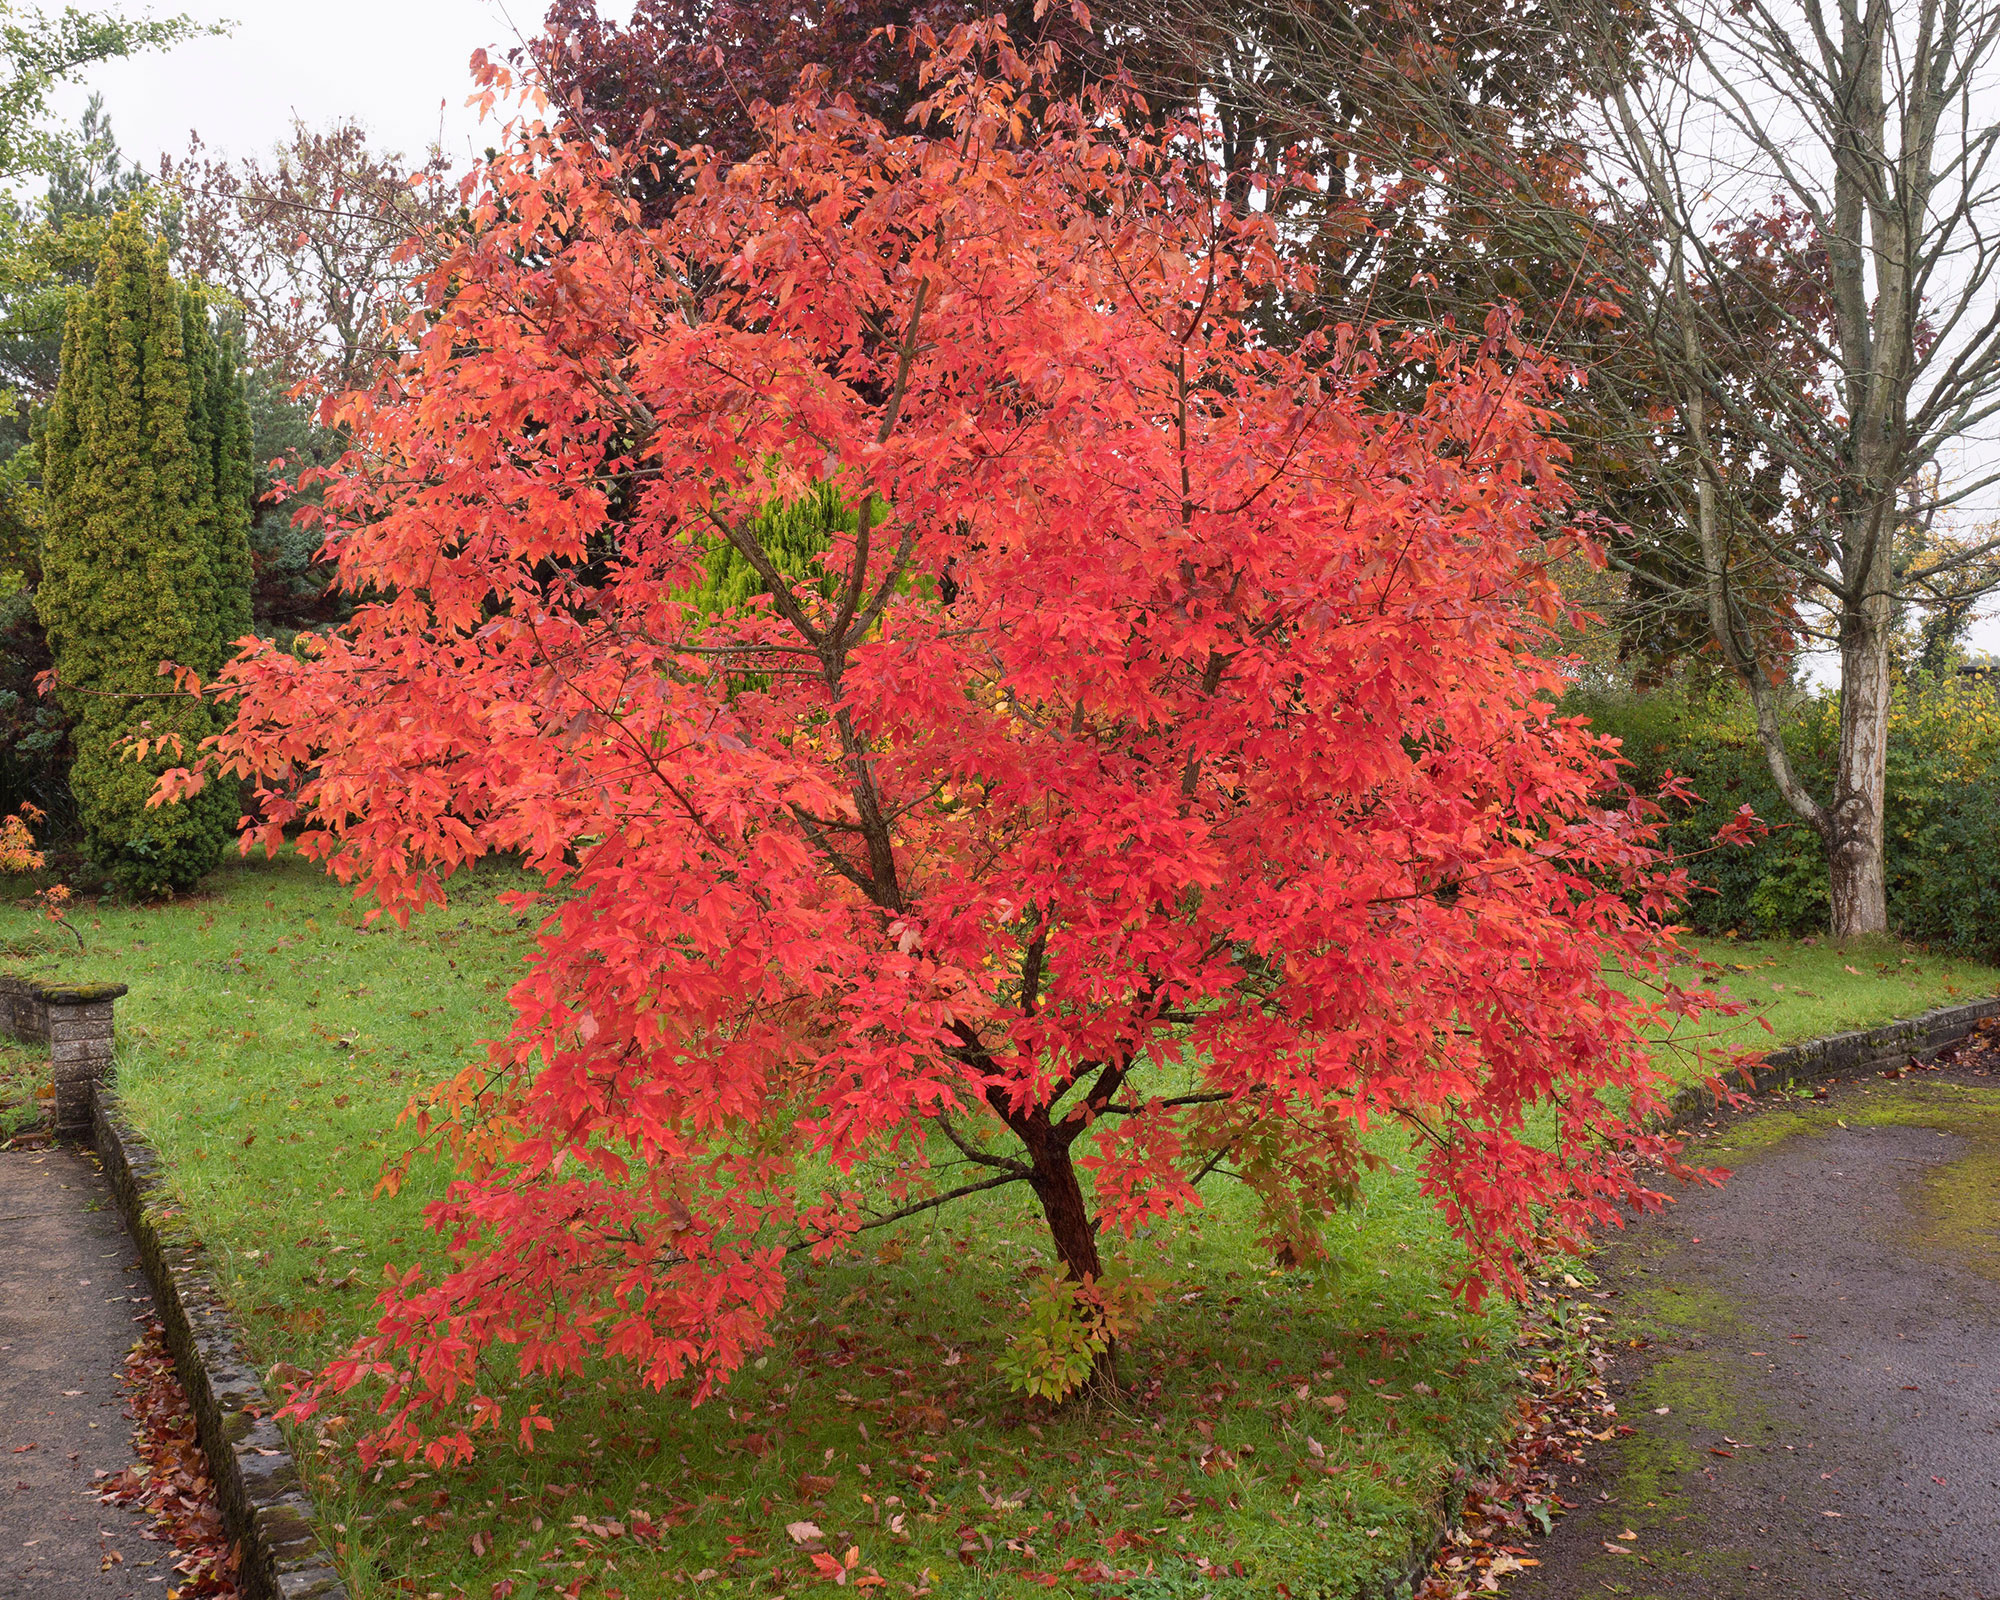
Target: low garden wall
(1845, 1055)
(258, 1487)
(74, 1021)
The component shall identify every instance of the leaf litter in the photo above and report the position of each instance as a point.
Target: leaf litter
(1566, 1409)
(171, 1479)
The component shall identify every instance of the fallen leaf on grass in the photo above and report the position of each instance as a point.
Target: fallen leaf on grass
(837, 1570)
(804, 1532)
(1567, 1404)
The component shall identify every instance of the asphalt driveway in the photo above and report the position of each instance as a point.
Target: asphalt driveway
(1810, 1359)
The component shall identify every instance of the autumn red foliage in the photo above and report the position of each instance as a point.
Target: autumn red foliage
(1153, 779)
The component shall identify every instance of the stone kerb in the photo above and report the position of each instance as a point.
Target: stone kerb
(1844, 1055)
(264, 1503)
(74, 1020)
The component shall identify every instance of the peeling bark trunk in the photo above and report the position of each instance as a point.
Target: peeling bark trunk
(1854, 835)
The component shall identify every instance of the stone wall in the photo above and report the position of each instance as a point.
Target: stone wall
(1846, 1055)
(22, 1011)
(74, 1021)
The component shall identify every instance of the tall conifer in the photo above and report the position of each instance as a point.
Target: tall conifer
(145, 467)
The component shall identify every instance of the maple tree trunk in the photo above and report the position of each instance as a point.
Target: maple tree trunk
(1070, 1223)
(1071, 1226)
(1854, 834)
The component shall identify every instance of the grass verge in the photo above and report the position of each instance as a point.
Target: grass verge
(1794, 990)
(1280, 1432)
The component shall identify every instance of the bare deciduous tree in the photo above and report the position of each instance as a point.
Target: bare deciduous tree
(1843, 356)
(313, 242)
(1790, 212)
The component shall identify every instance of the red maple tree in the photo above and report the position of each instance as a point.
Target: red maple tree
(1151, 777)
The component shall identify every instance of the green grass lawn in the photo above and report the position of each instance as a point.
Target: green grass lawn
(1275, 1427)
(26, 1091)
(1793, 990)
(1804, 989)
(1290, 1424)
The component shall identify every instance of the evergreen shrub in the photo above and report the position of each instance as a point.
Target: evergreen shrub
(145, 456)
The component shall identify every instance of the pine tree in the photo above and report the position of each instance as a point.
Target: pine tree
(145, 465)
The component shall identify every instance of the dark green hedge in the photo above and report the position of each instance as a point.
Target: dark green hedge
(1942, 819)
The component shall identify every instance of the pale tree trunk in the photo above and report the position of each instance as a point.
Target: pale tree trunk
(1854, 825)
(1854, 850)
(1869, 223)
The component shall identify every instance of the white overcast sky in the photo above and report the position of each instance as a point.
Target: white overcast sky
(398, 65)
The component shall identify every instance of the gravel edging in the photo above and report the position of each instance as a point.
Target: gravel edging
(264, 1503)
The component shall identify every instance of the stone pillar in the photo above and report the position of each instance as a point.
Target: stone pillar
(79, 1024)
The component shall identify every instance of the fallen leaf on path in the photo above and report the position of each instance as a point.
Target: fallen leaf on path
(172, 1479)
(1568, 1404)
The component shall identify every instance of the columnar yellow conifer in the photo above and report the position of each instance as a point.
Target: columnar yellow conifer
(146, 558)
